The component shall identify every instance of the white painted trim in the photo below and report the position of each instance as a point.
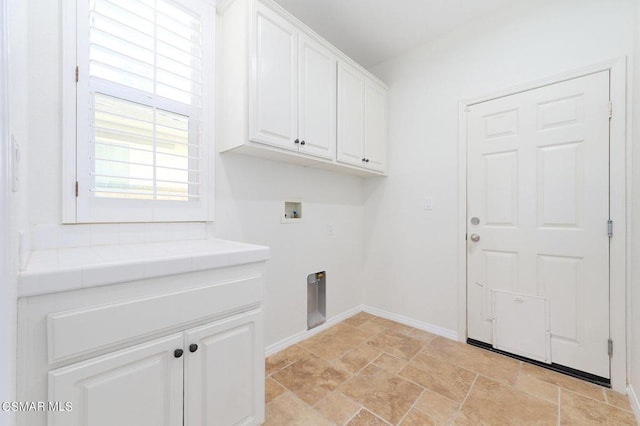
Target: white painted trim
(304, 335)
(68, 94)
(8, 300)
(634, 401)
(619, 210)
(462, 221)
(75, 130)
(435, 329)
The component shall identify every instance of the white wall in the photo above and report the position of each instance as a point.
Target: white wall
(7, 278)
(249, 198)
(634, 323)
(411, 254)
(250, 195)
(12, 205)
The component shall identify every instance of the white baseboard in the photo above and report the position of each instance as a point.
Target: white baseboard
(303, 335)
(635, 402)
(435, 329)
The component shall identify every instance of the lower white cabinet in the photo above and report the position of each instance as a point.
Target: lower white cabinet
(181, 350)
(139, 386)
(214, 372)
(224, 379)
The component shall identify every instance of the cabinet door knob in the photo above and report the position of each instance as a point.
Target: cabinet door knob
(366, 161)
(193, 347)
(296, 141)
(178, 353)
(302, 143)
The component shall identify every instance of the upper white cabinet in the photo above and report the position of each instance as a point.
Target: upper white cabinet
(362, 120)
(375, 125)
(316, 99)
(350, 115)
(279, 93)
(274, 95)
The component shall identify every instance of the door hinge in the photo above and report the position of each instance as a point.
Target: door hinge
(610, 347)
(76, 189)
(610, 228)
(610, 109)
(77, 73)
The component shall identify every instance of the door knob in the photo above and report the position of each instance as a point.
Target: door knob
(178, 353)
(193, 347)
(475, 238)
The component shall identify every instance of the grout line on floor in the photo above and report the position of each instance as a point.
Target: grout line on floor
(559, 401)
(457, 413)
(412, 406)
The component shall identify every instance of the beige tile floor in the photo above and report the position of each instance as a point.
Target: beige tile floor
(371, 371)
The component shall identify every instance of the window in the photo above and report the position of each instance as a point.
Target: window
(141, 111)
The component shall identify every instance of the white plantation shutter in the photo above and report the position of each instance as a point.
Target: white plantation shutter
(142, 142)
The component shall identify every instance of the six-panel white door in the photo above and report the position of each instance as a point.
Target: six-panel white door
(273, 108)
(224, 376)
(138, 386)
(316, 99)
(538, 181)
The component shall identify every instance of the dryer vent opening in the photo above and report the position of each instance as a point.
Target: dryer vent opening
(316, 299)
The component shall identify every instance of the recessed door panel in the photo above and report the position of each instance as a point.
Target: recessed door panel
(559, 112)
(501, 124)
(560, 185)
(559, 278)
(501, 188)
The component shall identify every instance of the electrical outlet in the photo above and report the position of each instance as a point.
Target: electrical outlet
(330, 229)
(428, 203)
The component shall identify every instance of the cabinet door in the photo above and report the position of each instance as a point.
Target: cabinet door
(350, 115)
(224, 377)
(138, 386)
(273, 95)
(375, 126)
(316, 99)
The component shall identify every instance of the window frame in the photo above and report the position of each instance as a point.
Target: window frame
(78, 206)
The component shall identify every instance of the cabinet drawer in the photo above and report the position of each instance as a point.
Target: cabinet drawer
(82, 331)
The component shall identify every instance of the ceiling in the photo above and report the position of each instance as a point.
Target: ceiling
(373, 31)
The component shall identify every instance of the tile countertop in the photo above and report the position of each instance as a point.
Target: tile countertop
(53, 271)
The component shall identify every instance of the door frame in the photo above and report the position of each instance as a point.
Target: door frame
(619, 190)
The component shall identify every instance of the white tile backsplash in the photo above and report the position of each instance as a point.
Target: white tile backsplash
(105, 234)
(70, 236)
(155, 232)
(47, 236)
